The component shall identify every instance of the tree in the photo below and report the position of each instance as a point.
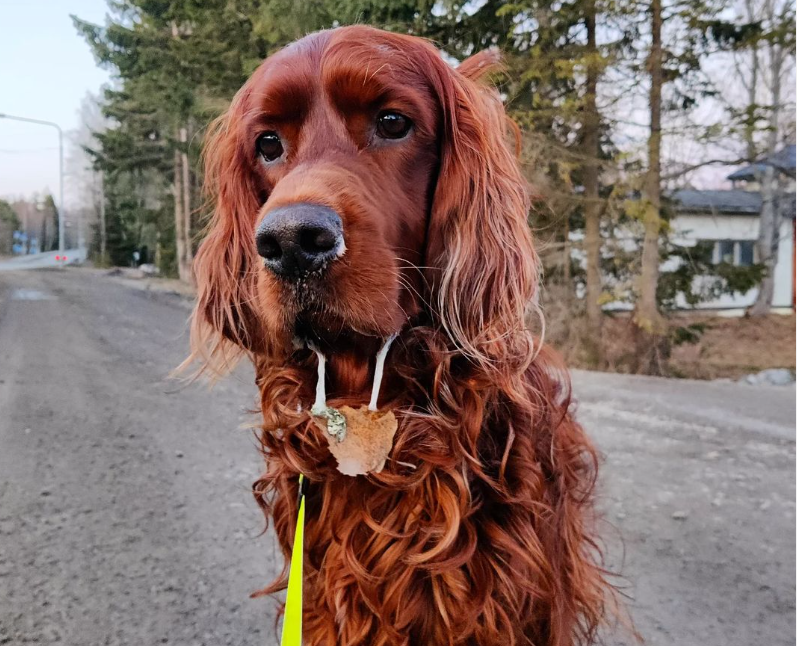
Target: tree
(769, 50)
(590, 177)
(9, 222)
(172, 59)
(48, 239)
(85, 188)
(676, 48)
(651, 325)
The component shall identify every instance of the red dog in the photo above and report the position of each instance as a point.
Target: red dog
(364, 188)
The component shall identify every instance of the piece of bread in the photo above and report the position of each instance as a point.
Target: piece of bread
(366, 442)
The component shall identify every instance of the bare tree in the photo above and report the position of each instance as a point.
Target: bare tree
(85, 187)
(763, 68)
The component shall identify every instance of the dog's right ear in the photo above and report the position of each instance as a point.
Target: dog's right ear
(225, 323)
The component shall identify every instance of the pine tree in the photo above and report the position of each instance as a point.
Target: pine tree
(176, 63)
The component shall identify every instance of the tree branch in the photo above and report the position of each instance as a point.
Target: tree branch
(708, 162)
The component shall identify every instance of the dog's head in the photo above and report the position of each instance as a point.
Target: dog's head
(360, 182)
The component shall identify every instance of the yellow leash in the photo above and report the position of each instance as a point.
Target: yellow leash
(292, 620)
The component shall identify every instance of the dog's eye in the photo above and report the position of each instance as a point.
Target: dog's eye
(269, 146)
(392, 125)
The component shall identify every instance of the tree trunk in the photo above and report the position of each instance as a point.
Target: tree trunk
(103, 227)
(592, 205)
(182, 198)
(651, 326)
(44, 245)
(769, 219)
(767, 242)
(179, 218)
(188, 257)
(752, 91)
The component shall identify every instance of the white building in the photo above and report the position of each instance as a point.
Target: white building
(729, 219)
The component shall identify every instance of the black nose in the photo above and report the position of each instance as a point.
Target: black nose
(299, 239)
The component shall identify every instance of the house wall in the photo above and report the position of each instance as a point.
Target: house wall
(689, 228)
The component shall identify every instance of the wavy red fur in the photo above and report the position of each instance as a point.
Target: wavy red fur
(480, 529)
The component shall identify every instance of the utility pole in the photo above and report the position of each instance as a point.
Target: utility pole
(61, 207)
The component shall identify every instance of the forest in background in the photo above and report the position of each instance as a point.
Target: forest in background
(617, 102)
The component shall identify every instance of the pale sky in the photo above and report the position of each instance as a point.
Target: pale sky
(46, 68)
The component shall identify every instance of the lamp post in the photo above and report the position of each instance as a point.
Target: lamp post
(61, 241)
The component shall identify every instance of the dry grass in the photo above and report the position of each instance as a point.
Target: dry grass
(733, 347)
(717, 347)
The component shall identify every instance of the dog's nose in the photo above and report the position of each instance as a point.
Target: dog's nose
(299, 239)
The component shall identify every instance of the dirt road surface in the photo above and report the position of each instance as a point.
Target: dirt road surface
(126, 518)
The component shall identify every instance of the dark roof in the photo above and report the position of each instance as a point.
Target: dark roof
(734, 202)
(783, 160)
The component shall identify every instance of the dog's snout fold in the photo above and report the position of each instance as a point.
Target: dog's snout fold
(299, 239)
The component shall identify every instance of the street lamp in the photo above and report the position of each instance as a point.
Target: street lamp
(61, 241)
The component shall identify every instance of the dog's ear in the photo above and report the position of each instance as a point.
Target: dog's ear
(225, 323)
(482, 264)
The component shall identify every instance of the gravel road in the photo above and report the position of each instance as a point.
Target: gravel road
(126, 518)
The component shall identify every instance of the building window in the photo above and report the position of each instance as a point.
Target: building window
(726, 251)
(740, 253)
(746, 253)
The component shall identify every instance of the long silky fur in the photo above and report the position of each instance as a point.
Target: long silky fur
(480, 530)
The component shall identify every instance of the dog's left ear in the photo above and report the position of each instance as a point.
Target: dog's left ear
(482, 265)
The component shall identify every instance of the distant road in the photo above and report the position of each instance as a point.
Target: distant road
(44, 260)
(126, 517)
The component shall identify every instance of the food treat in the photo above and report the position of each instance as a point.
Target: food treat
(367, 442)
(360, 439)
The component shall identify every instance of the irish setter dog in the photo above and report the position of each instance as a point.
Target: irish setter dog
(363, 187)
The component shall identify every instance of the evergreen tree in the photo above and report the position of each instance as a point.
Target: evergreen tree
(9, 222)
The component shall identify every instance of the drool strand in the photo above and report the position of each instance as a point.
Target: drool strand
(320, 405)
(336, 422)
(379, 370)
